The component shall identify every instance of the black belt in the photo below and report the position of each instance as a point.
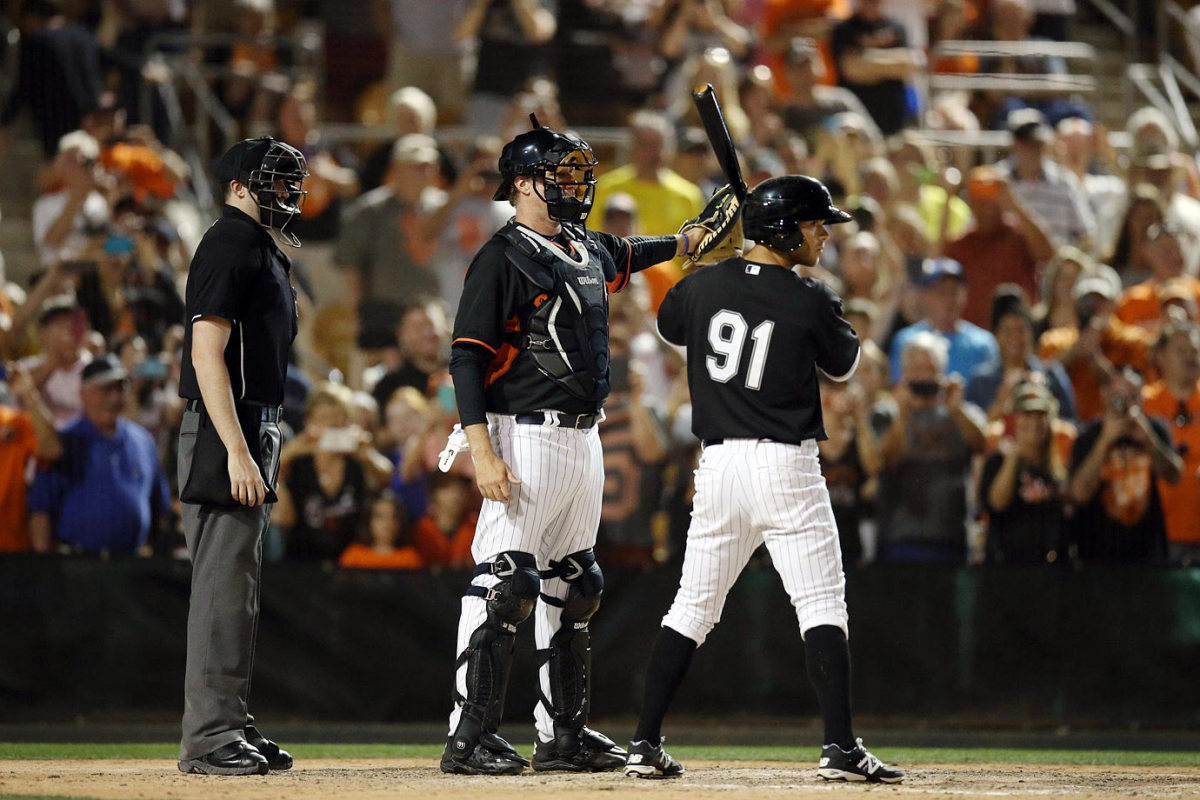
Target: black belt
(711, 442)
(269, 413)
(558, 419)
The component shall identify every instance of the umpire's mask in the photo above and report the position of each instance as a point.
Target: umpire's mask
(274, 172)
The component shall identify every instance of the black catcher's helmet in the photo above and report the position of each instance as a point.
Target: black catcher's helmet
(562, 160)
(773, 211)
(274, 172)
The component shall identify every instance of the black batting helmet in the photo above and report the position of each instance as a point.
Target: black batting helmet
(564, 162)
(274, 172)
(773, 211)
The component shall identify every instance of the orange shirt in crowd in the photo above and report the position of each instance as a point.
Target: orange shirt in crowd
(364, 556)
(142, 166)
(1123, 345)
(1181, 502)
(17, 446)
(1141, 304)
(778, 14)
(436, 550)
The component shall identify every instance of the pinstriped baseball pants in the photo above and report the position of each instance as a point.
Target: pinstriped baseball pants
(751, 491)
(554, 511)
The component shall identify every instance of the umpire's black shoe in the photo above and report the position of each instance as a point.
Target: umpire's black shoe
(492, 755)
(277, 759)
(235, 758)
(585, 751)
(646, 760)
(857, 764)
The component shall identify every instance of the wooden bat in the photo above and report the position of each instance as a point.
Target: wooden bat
(718, 135)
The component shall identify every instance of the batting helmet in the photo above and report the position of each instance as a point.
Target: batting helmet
(564, 162)
(773, 212)
(274, 172)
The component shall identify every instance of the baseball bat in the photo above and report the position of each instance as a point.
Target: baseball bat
(718, 135)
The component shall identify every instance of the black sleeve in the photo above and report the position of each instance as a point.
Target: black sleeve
(1083, 445)
(635, 253)
(219, 275)
(484, 307)
(991, 468)
(672, 314)
(468, 364)
(837, 343)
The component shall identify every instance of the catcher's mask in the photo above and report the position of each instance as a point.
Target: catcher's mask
(274, 172)
(773, 211)
(563, 161)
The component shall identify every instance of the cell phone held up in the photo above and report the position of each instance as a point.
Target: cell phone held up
(338, 440)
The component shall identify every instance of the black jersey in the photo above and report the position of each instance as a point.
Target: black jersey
(496, 298)
(756, 334)
(238, 273)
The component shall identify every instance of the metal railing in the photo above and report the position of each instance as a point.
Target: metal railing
(1017, 83)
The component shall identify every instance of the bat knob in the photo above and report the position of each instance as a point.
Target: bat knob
(702, 88)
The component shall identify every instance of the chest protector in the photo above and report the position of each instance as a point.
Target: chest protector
(565, 331)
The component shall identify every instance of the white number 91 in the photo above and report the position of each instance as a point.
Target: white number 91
(727, 336)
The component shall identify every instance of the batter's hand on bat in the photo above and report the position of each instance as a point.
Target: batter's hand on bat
(493, 477)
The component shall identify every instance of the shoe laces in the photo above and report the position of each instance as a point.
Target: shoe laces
(869, 761)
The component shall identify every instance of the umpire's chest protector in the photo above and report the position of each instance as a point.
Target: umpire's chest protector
(565, 329)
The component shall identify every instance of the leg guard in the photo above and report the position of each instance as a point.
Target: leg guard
(489, 652)
(569, 655)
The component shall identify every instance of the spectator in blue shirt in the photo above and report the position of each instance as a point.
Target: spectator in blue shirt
(943, 298)
(107, 489)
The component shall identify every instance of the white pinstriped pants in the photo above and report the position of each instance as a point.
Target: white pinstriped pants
(554, 511)
(751, 491)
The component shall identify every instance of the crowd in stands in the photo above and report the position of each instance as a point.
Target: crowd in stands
(1029, 387)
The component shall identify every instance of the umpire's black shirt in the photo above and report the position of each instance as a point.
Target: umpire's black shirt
(240, 274)
(755, 335)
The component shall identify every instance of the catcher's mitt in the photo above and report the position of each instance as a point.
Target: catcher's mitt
(722, 221)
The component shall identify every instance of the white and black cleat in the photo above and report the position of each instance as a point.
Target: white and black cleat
(856, 764)
(651, 761)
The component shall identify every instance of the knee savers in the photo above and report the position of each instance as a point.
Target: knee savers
(489, 651)
(569, 656)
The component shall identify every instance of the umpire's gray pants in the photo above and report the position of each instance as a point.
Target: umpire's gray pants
(225, 545)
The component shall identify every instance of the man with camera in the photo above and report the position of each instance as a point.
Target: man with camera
(927, 454)
(1114, 470)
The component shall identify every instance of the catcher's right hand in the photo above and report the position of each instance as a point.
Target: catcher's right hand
(720, 225)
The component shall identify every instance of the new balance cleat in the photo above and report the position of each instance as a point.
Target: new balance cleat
(651, 761)
(857, 764)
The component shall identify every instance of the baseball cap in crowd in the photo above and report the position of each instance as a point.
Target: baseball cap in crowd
(241, 159)
(1152, 155)
(1107, 286)
(1028, 125)
(1033, 397)
(55, 307)
(800, 51)
(103, 371)
(693, 140)
(415, 148)
(621, 203)
(934, 269)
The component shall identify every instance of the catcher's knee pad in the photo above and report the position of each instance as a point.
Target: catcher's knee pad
(488, 655)
(570, 656)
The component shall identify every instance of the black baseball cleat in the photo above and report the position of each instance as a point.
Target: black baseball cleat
(646, 760)
(585, 751)
(491, 756)
(235, 758)
(857, 764)
(278, 759)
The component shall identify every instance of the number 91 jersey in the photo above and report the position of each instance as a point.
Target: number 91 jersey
(756, 335)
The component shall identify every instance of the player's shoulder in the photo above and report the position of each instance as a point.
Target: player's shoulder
(491, 257)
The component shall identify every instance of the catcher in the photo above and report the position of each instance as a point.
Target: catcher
(529, 361)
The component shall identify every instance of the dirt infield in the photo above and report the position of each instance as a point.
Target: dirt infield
(390, 778)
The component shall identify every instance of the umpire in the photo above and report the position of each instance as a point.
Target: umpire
(241, 320)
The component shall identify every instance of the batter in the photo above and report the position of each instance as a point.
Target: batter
(756, 334)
